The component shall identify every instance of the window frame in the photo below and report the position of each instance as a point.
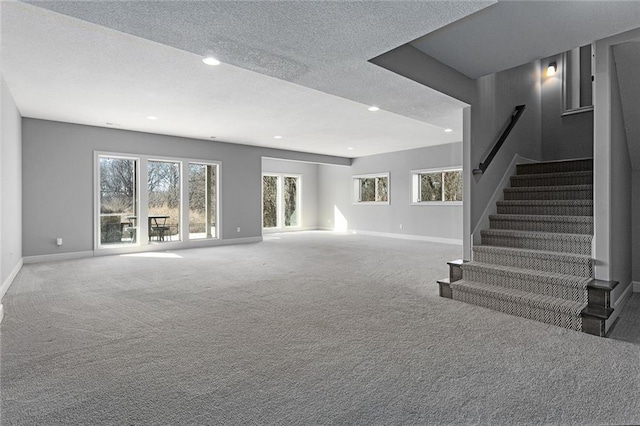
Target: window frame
(142, 240)
(416, 186)
(355, 179)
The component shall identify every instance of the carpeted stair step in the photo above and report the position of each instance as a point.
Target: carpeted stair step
(553, 179)
(549, 261)
(547, 241)
(543, 223)
(562, 192)
(555, 166)
(561, 286)
(547, 309)
(547, 207)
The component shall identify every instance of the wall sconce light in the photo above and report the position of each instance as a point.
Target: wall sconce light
(551, 69)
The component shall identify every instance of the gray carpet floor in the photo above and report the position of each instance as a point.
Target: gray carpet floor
(309, 328)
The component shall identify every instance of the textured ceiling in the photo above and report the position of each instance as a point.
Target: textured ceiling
(512, 33)
(296, 69)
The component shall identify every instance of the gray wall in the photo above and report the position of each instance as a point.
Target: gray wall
(10, 185)
(436, 221)
(635, 233)
(58, 188)
(498, 94)
(309, 172)
(565, 137)
(621, 264)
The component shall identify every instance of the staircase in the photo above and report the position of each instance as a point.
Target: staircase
(535, 260)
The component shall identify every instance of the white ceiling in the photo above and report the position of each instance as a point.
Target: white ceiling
(298, 69)
(512, 33)
(295, 69)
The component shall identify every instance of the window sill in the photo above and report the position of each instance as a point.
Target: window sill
(370, 203)
(436, 203)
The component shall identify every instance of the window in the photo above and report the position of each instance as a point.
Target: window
(142, 200)
(280, 201)
(371, 189)
(163, 189)
(437, 186)
(202, 200)
(118, 200)
(576, 80)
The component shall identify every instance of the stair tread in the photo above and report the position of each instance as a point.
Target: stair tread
(549, 188)
(560, 279)
(545, 202)
(551, 175)
(536, 234)
(519, 296)
(541, 218)
(532, 252)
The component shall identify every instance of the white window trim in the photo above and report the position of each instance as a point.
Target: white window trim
(280, 202)
(415, 186)
(142, 241)
(355, 180)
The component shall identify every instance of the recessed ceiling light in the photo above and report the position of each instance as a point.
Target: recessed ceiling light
(373, 108)
(152, 117)
(350, 148)
(277, 137)
(210, 60)
(448, 130)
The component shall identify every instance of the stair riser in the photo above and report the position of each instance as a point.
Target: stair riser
(512, 308)
(579, 194)
(547, 210)
(561, 266)
(557, 167)
(527, 283)
(574, 247)
(543, 226)
(556, 181)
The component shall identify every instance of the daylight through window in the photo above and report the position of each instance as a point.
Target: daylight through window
(371, 188)
(437, 186)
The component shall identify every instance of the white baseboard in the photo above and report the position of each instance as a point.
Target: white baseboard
(7, 283)
(619, 305)
(409, 237)
(636, 286)
(57, 257)
(281, 230)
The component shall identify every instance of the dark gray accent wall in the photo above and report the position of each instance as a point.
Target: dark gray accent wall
(58, 175)
(436, 221)
(309, 173)
(498, 95)
(563, 137)
(10, 185)
(621, 185)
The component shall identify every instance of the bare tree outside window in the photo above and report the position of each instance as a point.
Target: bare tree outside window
(443, 186)
(118, 199)
(368, 189)
(163, 187)
(382, 191)
(290, 201)
(270, 201)
(431, 187)
(453, 186)
(202, 200)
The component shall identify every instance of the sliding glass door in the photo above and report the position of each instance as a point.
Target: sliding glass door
(280, 201)
(203, 200)
(118, 198)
